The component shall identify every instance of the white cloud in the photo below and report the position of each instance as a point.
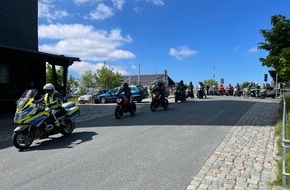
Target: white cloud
(253, 50)
(83, 66)
(102, 12)
(118, 4)
(182, 52)
(48, 11)
(79, 2)
(157, 2)
(85, 42)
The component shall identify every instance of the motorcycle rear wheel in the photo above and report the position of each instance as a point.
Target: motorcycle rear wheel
(118, 113)
(22, 139)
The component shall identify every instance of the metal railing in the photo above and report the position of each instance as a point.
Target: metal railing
(285, 143)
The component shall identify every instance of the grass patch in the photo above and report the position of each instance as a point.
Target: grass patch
(73, 99)
(278, 136)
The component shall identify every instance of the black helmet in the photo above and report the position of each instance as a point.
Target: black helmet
(159, 83)
(181, 82)
(125, 85)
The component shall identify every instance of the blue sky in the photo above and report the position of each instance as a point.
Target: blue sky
(188, 38)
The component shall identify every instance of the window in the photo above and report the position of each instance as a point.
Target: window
(4, 74)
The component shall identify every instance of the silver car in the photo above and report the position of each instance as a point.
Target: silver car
(89, 97)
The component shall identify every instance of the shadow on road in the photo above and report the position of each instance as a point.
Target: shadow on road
(59, 141)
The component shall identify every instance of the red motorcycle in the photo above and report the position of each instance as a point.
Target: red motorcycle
(124, 106)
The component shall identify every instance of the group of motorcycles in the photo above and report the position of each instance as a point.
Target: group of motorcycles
(261, 93)
(124, 106)
(35, 121)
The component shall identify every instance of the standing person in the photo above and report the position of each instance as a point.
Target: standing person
(202, 89)
(52, 100)
(127, 92)
(207, 89)
(190, 86)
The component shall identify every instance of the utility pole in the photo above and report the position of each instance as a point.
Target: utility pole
(139, 74)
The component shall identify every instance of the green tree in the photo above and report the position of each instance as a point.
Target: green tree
(107, 78)
(210, 82)
(278, 45)
(49, 75)
(245, 84)
(72, 83)
(88, 80)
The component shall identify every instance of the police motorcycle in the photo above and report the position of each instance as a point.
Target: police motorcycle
(34, 120)
(156, 102)
(124, 106)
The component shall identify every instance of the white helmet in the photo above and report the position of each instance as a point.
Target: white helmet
(48, 87)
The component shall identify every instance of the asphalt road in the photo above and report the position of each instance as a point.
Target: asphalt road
(161, 150)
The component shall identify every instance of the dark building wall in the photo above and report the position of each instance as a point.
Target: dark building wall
(18, 23)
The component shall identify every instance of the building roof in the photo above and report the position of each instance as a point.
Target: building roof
(60, 60)
(146, 79)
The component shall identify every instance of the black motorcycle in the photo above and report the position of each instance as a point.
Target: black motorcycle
(179, 96)
(123, 106)
(158, 103)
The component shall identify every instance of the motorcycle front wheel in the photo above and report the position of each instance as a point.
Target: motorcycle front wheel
(153, 107)
(118, 113)
(246, 95)
(68, 128)
(133, 108)
(22, 139)
(166, 104)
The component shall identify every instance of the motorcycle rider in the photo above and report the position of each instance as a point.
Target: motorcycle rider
(160, 89)
(190, 86)
(201, 88)
(52, 100)
(237, 90)
(182, 88)
(127, 92)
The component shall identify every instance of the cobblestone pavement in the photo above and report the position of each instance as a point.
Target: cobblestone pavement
(245, 158)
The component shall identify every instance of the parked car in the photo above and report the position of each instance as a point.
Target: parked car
(138, 94)
(107, 97)
(89, 97)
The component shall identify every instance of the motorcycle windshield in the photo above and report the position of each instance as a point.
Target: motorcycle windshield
(25, 97)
